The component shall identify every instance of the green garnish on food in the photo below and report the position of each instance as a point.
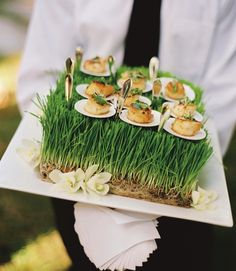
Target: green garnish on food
(135, 91)
(188, 116)
(136, 75)
(98, 98)
(174, 86)
(117, 89)
(185, 101)
(140, 105)
(96, 59)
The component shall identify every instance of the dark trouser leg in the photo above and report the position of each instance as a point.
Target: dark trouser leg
(64, 216)
(184, 245)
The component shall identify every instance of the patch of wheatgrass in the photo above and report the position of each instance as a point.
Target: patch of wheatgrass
(144, 155)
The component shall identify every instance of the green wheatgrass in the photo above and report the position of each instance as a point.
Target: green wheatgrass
(154, 159)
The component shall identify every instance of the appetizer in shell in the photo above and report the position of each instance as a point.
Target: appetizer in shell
(132, 97)
(138, 79)
(140, 112)
(183, 108)
(97, 105)
(175, 90)
(96, 65)
(99, 88)
(186, 126)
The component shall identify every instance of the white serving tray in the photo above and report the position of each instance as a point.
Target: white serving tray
(15, 174)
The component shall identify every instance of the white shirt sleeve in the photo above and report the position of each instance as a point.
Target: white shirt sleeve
(219, 79)
(49, 42)
(198, 43)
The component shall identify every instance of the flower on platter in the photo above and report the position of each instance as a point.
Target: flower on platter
(69, 182)
(202, 199)
(30, 152)
(98, 183)
(79, 180)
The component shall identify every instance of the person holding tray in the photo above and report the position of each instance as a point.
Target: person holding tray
(194, 40)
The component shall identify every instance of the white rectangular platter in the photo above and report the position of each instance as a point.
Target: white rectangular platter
(15, 174)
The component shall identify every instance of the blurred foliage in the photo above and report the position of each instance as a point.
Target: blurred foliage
(22, 215)
(9, 119)
(46, 253)
(12, 14)
(8, 77)
(23, 218)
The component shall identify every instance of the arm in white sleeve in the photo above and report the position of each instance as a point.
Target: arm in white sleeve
(219, 80)
(50, 40)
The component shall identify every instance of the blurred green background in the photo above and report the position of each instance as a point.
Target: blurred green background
(28, 238)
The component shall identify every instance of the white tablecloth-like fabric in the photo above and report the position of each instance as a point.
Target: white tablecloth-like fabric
(115, 239)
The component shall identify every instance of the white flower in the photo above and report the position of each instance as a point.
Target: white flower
(202, 199)
(30, 152)
(69, 182)
(90, 171)
(98, 183)
(75, 180)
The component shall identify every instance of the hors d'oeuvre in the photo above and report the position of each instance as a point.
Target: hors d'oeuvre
(140, 112)
(183, 108)
(96, 65)
(186, 126)
(138, 79)
(97, 105)
(132, 97)
(99, 88)
(175, 90)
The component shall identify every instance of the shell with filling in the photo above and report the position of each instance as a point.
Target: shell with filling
(130, 100)
(183, 109)
(175, 90)
(186, 127)
(99, 88)
(138, 79)
(132, 97)
(97, 105)
(140, 112)
(96, 65)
